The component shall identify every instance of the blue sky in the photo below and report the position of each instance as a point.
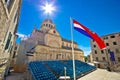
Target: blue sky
(100, 16)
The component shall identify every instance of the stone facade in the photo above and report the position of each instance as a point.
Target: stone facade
(9, 17)
(90, 58)
(52, 53)
(3, 24)
(102, 57)
(47, 44)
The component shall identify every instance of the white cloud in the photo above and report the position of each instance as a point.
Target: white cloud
(22, 36)
(86, 50)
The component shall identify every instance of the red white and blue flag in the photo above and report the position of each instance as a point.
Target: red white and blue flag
(84, 30)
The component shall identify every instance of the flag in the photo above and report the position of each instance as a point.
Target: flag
(87, 32)
(112, 57)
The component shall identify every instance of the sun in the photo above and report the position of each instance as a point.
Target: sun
(48, 8)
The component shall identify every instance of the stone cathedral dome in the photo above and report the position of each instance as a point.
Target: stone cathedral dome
(48, 20)
(47, 25)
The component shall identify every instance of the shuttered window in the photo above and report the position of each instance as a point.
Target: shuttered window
(8, 41)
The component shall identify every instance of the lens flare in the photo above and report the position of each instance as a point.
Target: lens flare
(48, 8)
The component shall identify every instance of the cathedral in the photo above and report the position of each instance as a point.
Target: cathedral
(47, 44)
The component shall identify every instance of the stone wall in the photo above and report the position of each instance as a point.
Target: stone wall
(3, 25)
(51, 53)
(53, 40)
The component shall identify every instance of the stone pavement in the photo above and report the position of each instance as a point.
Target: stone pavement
(19, 76)
(101, 74)
(15, 76)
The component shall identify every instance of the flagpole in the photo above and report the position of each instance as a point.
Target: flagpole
(72, 49)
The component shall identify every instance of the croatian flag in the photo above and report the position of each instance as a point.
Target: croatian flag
(84, 30)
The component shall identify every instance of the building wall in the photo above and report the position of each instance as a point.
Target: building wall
(112, 42)
(13, 56)
(9, 17)
(4, 21)
(90, 58)
(69, 44)
(52, 53)
(35, 37)
(21, 58)
(53, 40)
